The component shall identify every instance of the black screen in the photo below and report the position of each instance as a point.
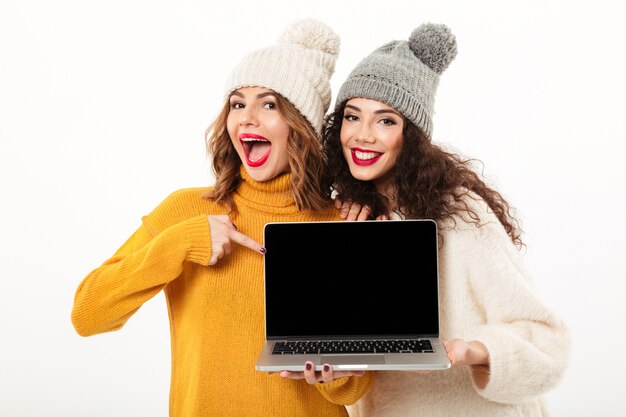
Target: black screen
(351, 278)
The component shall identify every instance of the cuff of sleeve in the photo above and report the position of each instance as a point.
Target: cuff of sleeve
(346, 390)
(331, 391)
(503, 348)
(199, 239)
(521, 369)
(496, 380)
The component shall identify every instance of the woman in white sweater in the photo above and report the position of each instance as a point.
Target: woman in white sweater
(506, 346)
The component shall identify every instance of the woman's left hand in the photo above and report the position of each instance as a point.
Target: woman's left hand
(461, 352)
(326, 375)
(473, 354)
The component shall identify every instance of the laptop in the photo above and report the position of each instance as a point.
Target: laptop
(356, 295)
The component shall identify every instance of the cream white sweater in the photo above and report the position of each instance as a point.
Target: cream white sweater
(486, 295)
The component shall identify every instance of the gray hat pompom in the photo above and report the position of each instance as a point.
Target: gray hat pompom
(434, 45)
(311, 34)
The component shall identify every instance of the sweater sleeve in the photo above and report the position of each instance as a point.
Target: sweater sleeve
(347, 390)
(528, 344)
(141, 267)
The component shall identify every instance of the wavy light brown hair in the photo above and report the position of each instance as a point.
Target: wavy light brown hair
(429, 182)
(310, 182)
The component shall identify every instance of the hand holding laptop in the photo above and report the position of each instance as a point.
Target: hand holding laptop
(327, 374)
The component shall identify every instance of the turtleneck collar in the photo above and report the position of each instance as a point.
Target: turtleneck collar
(266, 196)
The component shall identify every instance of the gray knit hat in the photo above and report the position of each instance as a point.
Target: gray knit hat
(298, 67)
(405, 74)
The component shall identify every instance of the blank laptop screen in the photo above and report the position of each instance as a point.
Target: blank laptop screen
(351, 279)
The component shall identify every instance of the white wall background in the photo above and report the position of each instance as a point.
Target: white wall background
(103, 106)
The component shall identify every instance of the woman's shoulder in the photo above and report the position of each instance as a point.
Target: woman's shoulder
(179, 205)
(469, 201)
(185, 199)
(474, 218)
(191, 194)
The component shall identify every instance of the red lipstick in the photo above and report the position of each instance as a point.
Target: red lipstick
(365, 161)
(256, 149)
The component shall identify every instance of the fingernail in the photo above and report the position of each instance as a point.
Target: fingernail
(263, 251)
(308, 366)
(326, 368)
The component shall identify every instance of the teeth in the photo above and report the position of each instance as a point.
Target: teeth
(366, 155)
(253, 140)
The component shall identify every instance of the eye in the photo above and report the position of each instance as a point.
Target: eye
(350, 118)
(237, 105)
(270, 105)
(387, 122)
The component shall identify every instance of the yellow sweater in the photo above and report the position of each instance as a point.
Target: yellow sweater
(211, 308)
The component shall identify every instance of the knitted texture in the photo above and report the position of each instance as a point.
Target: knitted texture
(486, 295)
(298, 67)
(405, 74)
(216, 312)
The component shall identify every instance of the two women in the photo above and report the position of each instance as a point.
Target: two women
(200, 246)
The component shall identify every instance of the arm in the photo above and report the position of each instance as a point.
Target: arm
(113, 292)
(520, 348)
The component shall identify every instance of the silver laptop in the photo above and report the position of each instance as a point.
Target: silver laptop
(356, 295)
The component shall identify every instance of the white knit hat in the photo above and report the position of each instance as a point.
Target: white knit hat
(298, 67)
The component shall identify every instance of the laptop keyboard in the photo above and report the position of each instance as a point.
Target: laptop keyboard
(352, 346)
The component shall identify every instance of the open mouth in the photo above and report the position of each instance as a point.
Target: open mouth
(256, 149)
(365, 157)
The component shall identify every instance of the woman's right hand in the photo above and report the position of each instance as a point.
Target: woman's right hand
(223, 233)
(354, 211)
(326, 375)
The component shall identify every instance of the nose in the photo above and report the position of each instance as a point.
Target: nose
(248, 117)
(363, 135)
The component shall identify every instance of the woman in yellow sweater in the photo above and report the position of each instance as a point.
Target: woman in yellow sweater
(200, 245)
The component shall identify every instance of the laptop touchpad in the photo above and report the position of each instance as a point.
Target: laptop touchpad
(351, 359)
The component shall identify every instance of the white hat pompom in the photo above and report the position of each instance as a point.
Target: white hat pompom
(312, 34)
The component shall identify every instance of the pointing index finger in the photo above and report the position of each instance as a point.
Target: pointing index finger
(246, 241)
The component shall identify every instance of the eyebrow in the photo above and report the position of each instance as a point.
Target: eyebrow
(260, 95)
(381, 111)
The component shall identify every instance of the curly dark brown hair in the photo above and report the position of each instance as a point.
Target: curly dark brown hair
(310, 183)
(430, 182)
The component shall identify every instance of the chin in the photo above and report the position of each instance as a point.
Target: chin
(260, 174)
(356, 173)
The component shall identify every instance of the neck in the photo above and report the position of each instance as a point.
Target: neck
(274, 193)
